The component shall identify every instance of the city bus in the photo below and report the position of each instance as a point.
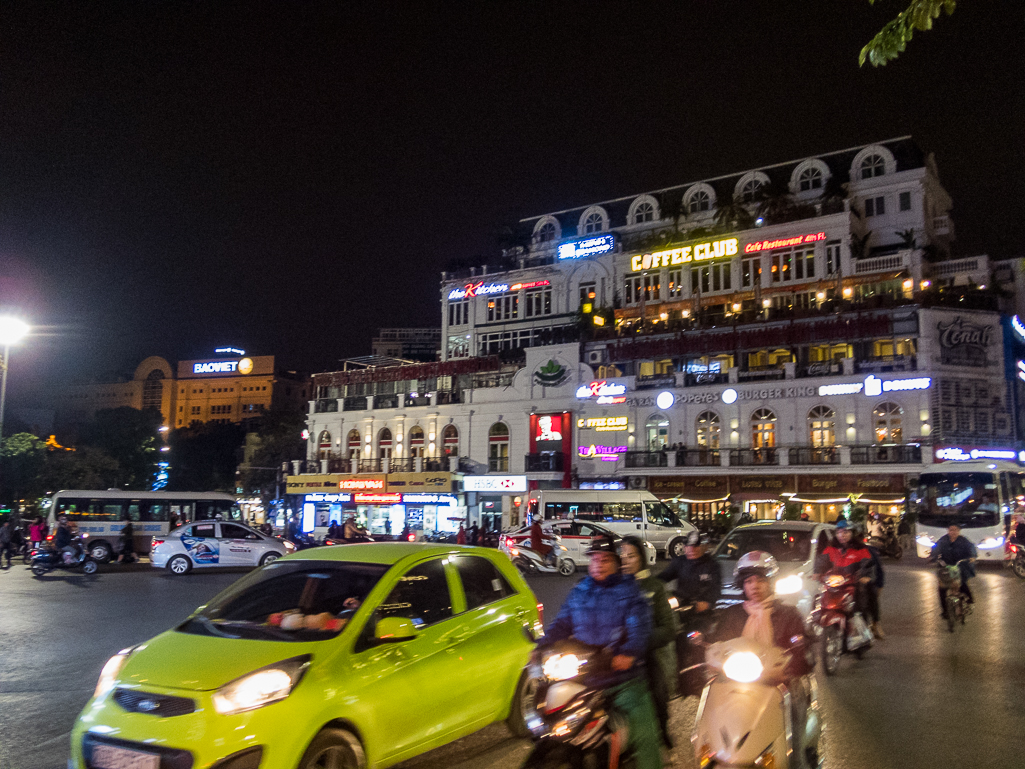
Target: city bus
(979, 496)
(102, 514)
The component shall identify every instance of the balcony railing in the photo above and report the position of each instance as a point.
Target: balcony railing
(355, 403)
(768, 372)
(885, 363)
(698, 458)
(325, 406)
(371, 465)
(386, 401)
(544, 463)
(498, 464)
(814, 455)
(820, 368)
(886, 455)
(753, 457)
(646, 459)
(700, 380)
(401, 465)
(449, 396)
(435, 465)
(417, 400)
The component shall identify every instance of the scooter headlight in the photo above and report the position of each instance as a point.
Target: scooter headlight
(924, 540)
(559, 667)
(834, 580)
(789, 585)
(743, 667)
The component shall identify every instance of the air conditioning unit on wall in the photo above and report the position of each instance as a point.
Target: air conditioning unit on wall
(637, 482)
(595, 356)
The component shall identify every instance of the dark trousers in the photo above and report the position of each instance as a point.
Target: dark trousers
(6, 551)
(872, 602)
(659, 687)
(964, 589)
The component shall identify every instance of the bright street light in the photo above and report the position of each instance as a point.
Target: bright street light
(11, 332)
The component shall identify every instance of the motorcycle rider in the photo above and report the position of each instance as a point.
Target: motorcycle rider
(538, 544)
(63, 539)
(697, 576)
(763, 618)
(849, 556)
(951, 548)
(608, 609)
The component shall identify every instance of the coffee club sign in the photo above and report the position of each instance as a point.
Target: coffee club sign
(713, 249)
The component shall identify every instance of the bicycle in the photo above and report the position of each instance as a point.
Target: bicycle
(957, 607)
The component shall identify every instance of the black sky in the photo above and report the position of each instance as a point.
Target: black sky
(288, 177)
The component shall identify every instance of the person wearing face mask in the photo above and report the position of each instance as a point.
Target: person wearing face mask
(849, 556)
(660, 658)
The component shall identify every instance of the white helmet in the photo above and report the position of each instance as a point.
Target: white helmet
(756, 562)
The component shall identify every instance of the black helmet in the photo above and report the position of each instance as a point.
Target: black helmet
(604, 544)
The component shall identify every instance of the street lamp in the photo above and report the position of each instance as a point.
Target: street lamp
(11, 332)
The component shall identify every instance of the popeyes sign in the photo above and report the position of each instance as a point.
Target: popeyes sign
(713, 249)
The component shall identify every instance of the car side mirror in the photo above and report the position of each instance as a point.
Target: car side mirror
(394, 629)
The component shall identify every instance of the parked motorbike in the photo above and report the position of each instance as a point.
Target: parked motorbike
(888, 544)
(46, 560)
(573, 722)
(529, 561)
(744, 718)
(1016, 554)
(838, 623)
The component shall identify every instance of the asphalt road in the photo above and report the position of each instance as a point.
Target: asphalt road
(921, 698)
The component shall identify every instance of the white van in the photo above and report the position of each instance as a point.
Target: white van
(639, 513)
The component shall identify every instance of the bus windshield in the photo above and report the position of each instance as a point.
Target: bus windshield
(967, 499)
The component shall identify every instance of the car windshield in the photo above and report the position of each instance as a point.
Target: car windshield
(288, 601)
(967, 499)
(785, 545)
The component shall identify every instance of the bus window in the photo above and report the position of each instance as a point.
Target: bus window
(79, 509)
(112, 511)
(134, 509)
(230, 511)
(622, 512)
(155, 511)
(557, 510)
(588, 511)
(184, 511)
(660, 515)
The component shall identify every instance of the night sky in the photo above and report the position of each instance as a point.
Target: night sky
(289, 177)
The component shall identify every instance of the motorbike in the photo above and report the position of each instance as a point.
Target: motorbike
(1016, 554)
(837, 622)
(572, 722)
(46, 560)
(529, 561)
(957, 606)
(888, 544)
(692, 675)
(744, 718)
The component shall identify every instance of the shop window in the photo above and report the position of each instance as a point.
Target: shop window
(886, 420)
(889, 348)
(829, 352)
(459, 312)
(450, 441)
(657, 432)
(763, 429)
(498, 448)
(709, 430)
(675, 283)
(822, 426)
(416, 442)
(384, 448)
(872, 166)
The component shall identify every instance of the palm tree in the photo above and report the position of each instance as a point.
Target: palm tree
(731, 214)
(775, 203)
(670, 205)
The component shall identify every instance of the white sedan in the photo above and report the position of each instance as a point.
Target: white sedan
(575, 534)
(215, 543)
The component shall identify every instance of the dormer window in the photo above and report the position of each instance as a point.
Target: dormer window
(645, 212)
(547, 233)
(699, 201)
(872, 166)
(749, 192)
(810, 179)
(593, 223)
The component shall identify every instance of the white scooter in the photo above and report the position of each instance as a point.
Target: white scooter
(744, 718)
(529, 561)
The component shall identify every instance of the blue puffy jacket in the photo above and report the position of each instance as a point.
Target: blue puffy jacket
(612, 613)
(953, 551)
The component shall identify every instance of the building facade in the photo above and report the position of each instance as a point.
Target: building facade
(415, 344)
(792, 333)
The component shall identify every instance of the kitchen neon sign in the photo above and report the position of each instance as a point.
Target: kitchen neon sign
(713, 249)
(605, 392)
(797, 240)
(587, 247)
(479, 288)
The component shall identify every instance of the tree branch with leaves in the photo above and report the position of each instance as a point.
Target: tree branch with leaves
(893, 38)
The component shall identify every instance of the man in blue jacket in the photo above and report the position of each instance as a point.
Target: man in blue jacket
(608, 609)
(951, 548)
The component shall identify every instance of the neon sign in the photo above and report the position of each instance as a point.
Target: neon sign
(587, 247)
(479, 288)
(229, 350)
(1017, 326)
(430, 499)
(532, 284)
(605, 392)
(604, 424)
(358, 484)
(215, 367)
(713, 249)
(797, 240)
(605, 453)
(386, 499)
(959, 454)
(873, 387)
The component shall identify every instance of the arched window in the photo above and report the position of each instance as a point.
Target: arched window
(810, 179)
(822, 426)
(594, 223)
(384, 443)
(645, 212)
(450, 441)
(324, 445)
(886, 421)
(498, 448)
(763, 429)
(708, 430)
(153, 390)
(355, 447)
(699, 201)
(749, 192)
(657, 431)
(873, 165)
(416, 441)
(546, 233)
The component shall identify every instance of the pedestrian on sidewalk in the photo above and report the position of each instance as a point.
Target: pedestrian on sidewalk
(6, 541)
(37, 532)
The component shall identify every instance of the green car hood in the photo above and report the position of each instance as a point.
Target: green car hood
(199, 663)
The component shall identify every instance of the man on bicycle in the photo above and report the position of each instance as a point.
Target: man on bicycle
(951, 548)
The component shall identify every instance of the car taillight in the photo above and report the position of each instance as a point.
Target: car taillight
(410, 537)
(540, 612)
(157, 542)
(49, 537)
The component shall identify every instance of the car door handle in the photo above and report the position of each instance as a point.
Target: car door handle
(638, 526)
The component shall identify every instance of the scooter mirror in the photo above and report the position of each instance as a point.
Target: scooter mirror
(696, 637)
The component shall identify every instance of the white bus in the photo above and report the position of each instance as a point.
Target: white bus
(978, 495)
(102, 514)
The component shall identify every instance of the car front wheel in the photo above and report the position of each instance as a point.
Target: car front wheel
(676, 548)
(179, 565)
(100, 551)
(334, 749)
(524, 703)
(269, 558)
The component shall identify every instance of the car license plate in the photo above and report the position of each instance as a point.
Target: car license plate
(110, 757)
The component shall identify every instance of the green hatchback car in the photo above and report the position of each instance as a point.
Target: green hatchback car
(348, 656)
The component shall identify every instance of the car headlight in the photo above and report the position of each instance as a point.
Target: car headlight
(261, 687)
(110, 671)
(559, 667)
(289, 546)
(743, 667)
(790, 585)
(991, 543)
(924, 540)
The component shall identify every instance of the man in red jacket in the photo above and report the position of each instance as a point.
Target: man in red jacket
(848, 556)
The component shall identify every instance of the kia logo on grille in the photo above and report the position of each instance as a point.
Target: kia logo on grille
(148, 706)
